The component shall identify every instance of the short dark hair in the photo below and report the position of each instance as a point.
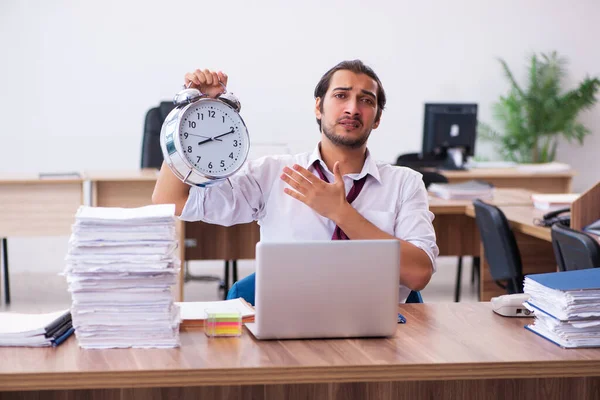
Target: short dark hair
(358, 67)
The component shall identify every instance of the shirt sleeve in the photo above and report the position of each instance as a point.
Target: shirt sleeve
(239, 200)
(414, 220)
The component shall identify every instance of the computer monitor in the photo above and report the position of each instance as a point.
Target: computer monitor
(449, 132)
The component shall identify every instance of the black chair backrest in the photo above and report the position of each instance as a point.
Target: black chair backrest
(415, 161)
(419, 161)
(151, 154)
(574, 249)
(499, 245)
(408, 159)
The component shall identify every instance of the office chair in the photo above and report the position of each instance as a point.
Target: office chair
(574, 249)
(500, 247)
(152, 158)
(151, 153)
(429, 177)
(5, 268)
(246, 289)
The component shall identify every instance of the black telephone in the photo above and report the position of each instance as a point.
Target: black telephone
(556, 217)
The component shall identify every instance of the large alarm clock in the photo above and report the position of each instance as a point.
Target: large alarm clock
(204, 140)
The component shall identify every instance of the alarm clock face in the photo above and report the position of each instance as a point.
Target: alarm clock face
(213, 138)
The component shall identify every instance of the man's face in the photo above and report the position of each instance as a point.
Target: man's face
(347, 111)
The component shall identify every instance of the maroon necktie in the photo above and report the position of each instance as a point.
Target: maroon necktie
(338, 233)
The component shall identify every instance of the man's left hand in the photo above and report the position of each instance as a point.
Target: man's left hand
(327, 199)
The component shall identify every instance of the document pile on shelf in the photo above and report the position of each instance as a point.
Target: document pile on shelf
(35, 330)
(548, 201)
(566, 306)
(551, 167)
(469, 190)
(121, 266)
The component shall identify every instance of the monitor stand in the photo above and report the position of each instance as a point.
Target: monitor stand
(455, 160)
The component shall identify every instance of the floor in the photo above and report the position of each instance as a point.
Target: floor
(41, 292)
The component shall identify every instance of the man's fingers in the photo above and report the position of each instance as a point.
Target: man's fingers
(192, 77)
(295, 195)
(200, 78)
(293, 183)
(297, 176)
(306, 174)
(209, 77)
(223, 77)
(337, 173)
(205, 79)
(215, 78)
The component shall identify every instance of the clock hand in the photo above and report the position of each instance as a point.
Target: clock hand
(223, 134)
(208, 140)
(206, 137)
(215, 137)
(193, 134)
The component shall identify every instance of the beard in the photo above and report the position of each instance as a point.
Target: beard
(342, 141)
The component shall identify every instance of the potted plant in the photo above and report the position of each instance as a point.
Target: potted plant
(533, 117)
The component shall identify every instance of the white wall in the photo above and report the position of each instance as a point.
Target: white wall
(76, 78)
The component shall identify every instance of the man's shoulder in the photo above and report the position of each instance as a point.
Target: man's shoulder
(397, 172)
(283, 159)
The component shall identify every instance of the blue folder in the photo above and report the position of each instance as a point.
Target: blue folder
(582, 279)
(567, 281)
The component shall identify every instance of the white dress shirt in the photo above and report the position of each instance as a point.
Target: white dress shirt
(393, 198)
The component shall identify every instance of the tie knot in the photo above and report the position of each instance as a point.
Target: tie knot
(319, 168)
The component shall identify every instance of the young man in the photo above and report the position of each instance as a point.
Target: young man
(336, 192)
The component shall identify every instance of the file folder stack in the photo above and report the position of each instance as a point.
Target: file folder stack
(469, 190)
(121, 265)
(566, 307)
(35, 330)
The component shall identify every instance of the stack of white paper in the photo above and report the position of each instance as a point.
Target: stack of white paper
(121, 265)
(566, 306)
(469, 190)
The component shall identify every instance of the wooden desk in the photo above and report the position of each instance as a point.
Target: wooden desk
(457, 234)
(30, 206)
(555, 182)
(444, 351)
(122, 188)
(521, 219)
(450, 214)
(585, 209)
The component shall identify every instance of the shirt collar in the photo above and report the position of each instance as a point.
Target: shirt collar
(369, 167)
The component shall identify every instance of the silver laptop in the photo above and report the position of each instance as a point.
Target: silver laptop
(326, 289)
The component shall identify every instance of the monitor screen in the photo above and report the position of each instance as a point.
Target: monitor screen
(449, 126)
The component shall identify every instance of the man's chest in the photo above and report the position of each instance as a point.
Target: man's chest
(374, 203)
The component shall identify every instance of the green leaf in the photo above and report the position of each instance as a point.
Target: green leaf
(511, 78)
(531, 121)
